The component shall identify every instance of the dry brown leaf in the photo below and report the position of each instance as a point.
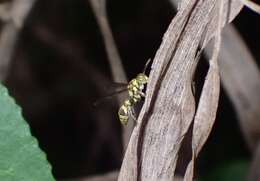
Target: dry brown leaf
(208, 103)
(115, 62)
(169, 106)
(243, 88)
(251, 5)
(15, 16)
(116, 66)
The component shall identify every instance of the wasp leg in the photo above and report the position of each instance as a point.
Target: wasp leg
(132, 114)
(141, 93)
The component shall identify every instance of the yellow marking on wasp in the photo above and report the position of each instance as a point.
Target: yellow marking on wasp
(135, 94)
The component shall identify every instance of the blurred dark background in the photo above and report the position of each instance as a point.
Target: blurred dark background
(53, 78)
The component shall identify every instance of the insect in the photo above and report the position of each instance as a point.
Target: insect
(135, 93)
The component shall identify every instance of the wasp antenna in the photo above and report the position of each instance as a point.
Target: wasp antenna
(146, 65)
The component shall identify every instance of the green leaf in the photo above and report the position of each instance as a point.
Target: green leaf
(20, 156)
(232, 171)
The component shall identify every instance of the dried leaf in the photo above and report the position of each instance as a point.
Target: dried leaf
(169, 107)
(115, 62)
(208, 103)
(15, 16)
(251, 5)
(243, 87)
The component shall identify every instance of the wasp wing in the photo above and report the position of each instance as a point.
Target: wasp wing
(112, 90)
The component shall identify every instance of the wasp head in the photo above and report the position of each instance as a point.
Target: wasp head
(142, 78)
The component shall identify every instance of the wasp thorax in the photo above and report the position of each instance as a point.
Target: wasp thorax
(142, 78)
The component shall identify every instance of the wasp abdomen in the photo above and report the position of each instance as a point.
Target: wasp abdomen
(124, 111)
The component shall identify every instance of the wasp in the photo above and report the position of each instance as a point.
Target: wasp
(135, 94)
(135, 90)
